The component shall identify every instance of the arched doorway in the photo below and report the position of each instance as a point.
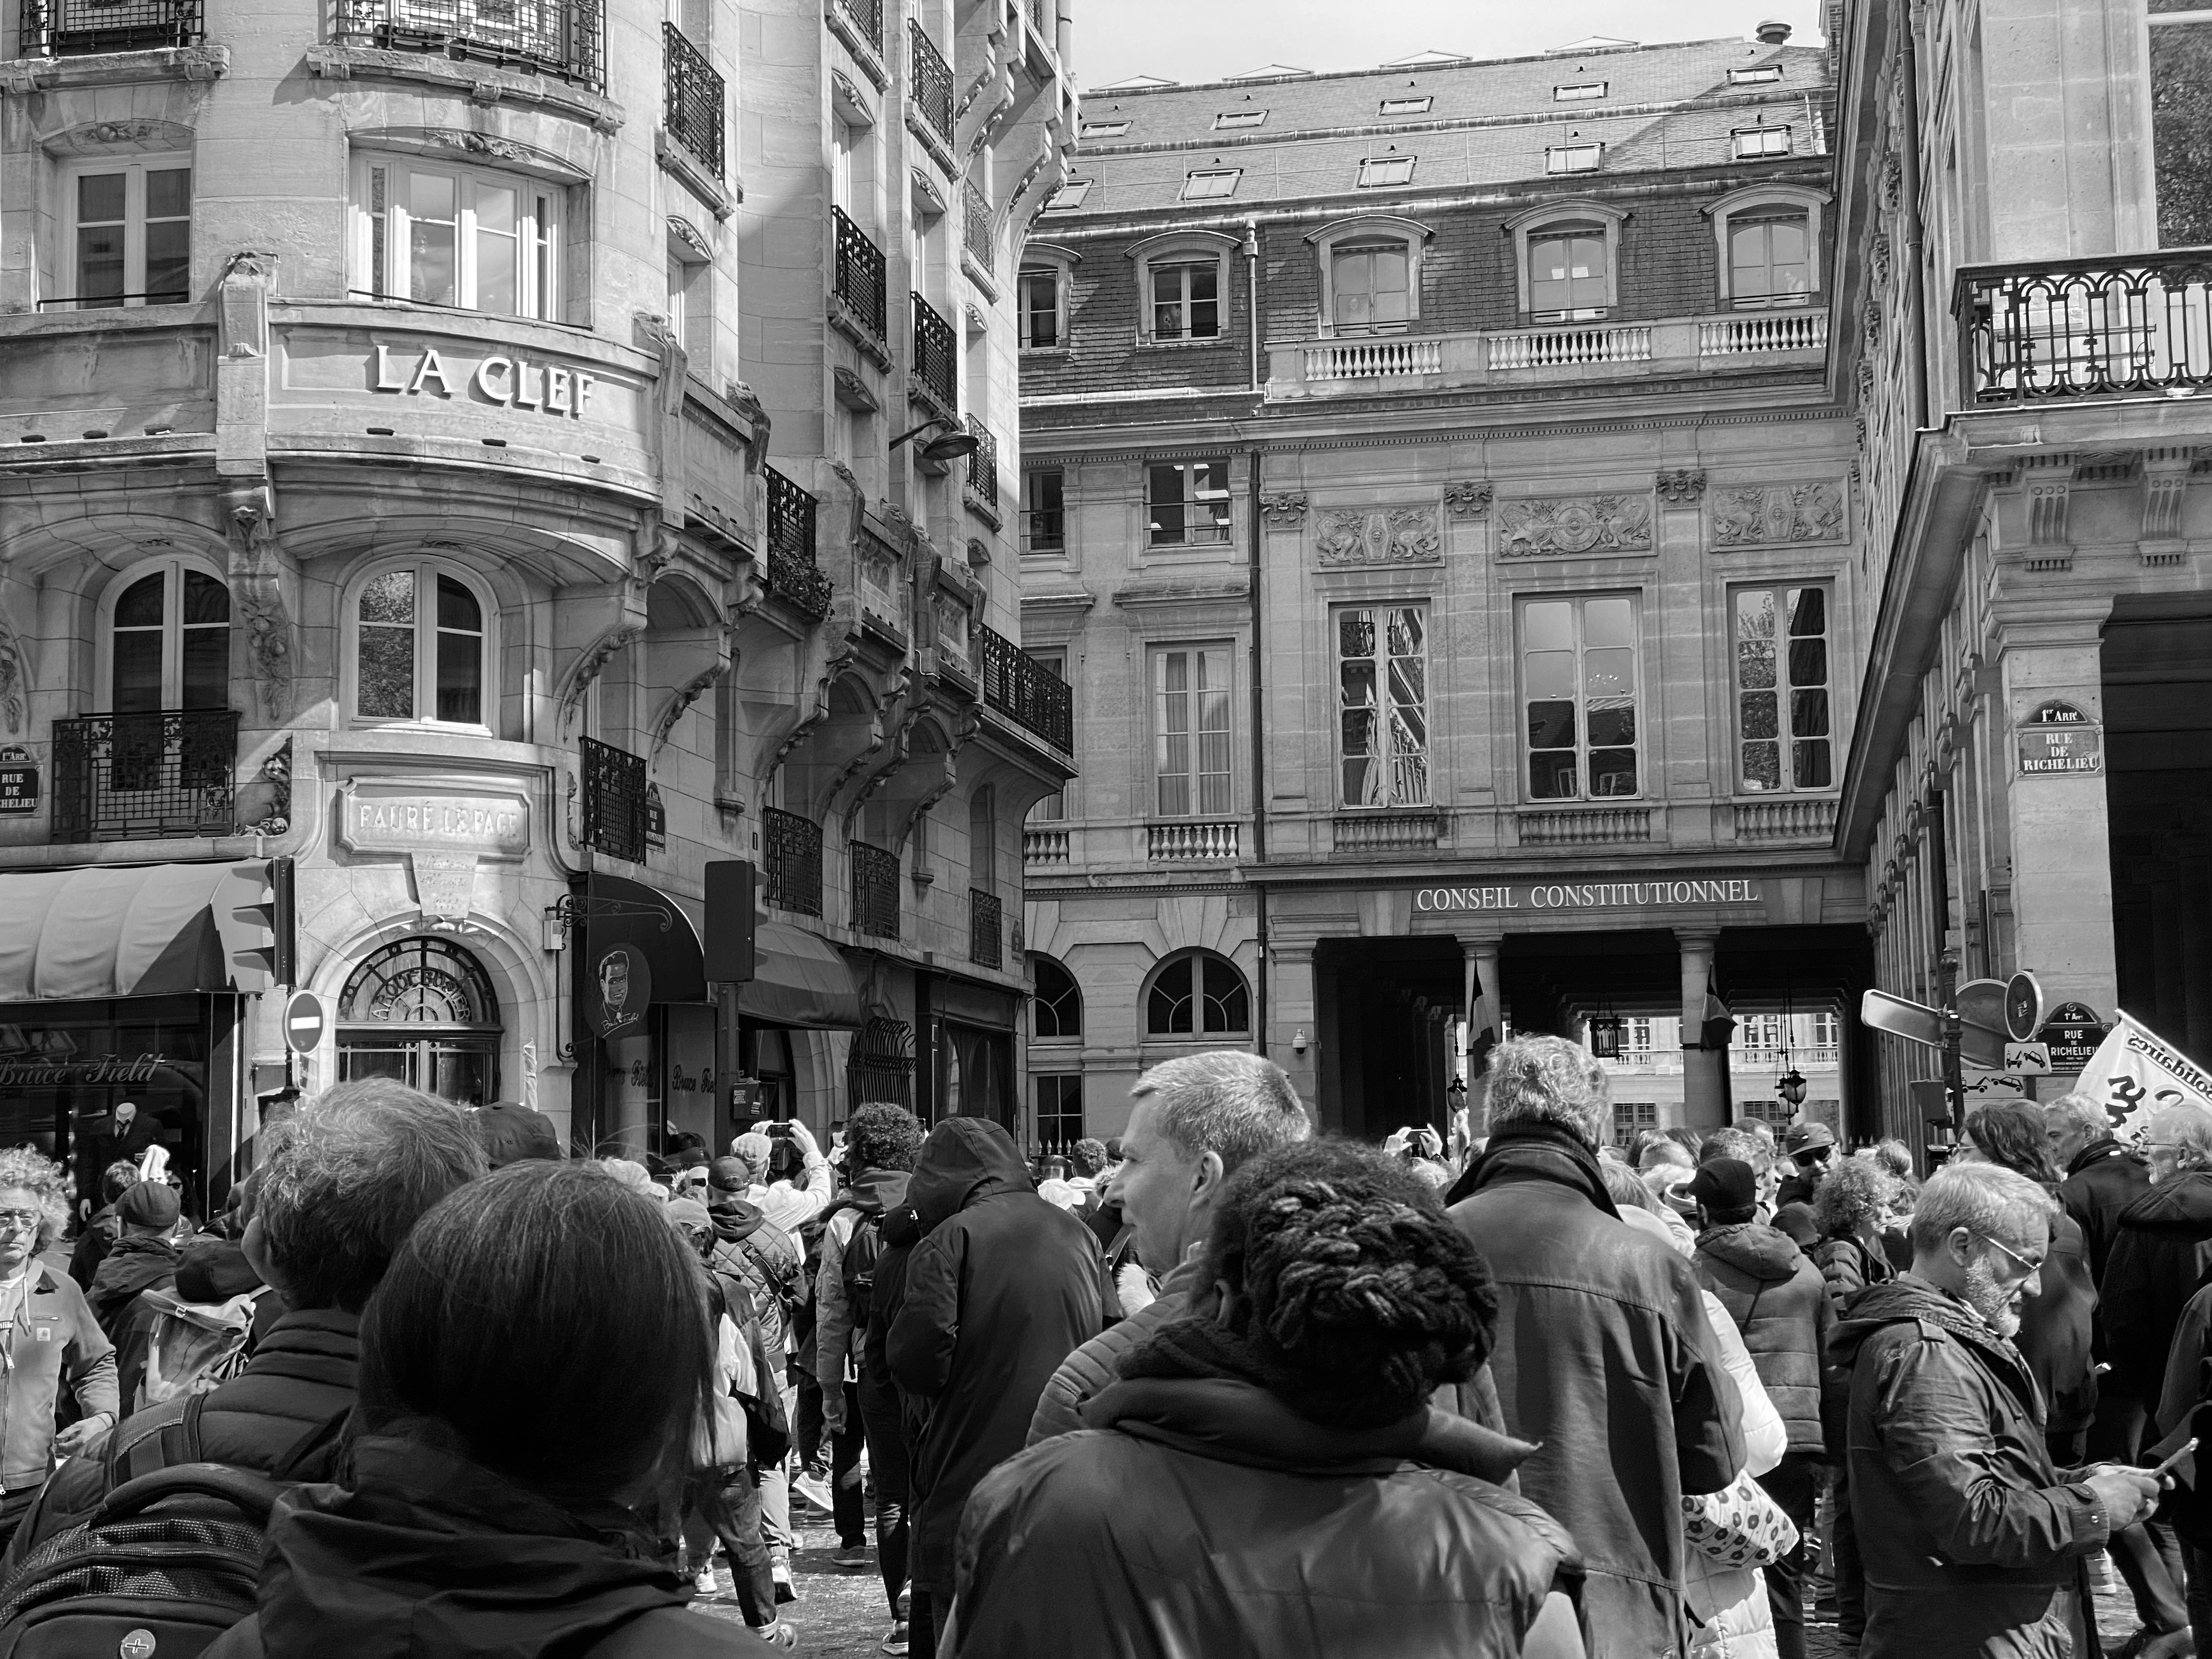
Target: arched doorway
(423, 1011)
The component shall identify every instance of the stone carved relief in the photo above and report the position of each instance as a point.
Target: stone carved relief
(1550, 527)
(1778, 514)
(256, 590)
(1283, 511)
(1379, 535)
(590, 666)
(1469, 500)
(15, 679)
(1682, 487)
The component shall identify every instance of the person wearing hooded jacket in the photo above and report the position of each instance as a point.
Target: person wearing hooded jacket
(1604, 1358)
(1002, 1287)
(490, 1504)
(1780, 1303)
(144, 1257)
(1270, 1477)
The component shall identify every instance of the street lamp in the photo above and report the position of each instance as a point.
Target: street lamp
(1790, 1088)
(953, 444)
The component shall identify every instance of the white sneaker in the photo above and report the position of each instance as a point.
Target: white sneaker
(896, 1642)
(815, 1489)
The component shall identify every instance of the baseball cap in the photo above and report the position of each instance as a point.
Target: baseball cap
(1808, 1138)
(1723, 1183)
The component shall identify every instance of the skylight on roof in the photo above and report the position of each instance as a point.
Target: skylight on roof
(1422, 59)
(1756, 75)
(1408, 105)
(1134, 82)
(1751, 143)
(1385, 170)
(1579, 92)
(1573, 158)
(1239, 118)
(1211, 184)
(1101, 129)
(1069, 195)
(1268, 72)
(1594, 43)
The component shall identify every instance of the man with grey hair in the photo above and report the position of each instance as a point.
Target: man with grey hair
(2157, 1254)
(2103, 1176)
(1603, 1356)
(351, 1174)
(1194, 1123)
(1970, 1535)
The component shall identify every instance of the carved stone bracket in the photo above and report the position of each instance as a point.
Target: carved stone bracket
(1683, 487)
(2166, 488)
(591, 665)
(1283, 511)
(1470, 499)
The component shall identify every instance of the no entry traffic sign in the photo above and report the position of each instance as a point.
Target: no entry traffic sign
(305, 1019)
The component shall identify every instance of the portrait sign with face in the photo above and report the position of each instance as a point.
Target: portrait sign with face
(619, 992)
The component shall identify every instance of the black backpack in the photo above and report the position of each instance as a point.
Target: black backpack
(127, 1582)
(863, 1249)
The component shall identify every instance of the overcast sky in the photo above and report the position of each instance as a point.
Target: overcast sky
(1209, 39)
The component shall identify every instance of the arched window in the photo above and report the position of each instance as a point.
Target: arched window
(421, 646)
(168, 640)
(1197, 994)
(1046, 275)
(423, 1011)
(1768, 239)
(1567, 260)
(1183, 286)
(1057, 1010)
(1370, 273)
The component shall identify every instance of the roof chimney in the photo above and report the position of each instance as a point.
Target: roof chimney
(1772, 34)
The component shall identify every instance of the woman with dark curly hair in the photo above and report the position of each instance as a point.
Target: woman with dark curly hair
(1849, 1208)
(1271, 1478)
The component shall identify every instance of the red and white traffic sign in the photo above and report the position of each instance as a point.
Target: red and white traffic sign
(305, 1019)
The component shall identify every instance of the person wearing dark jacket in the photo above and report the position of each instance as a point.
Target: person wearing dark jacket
(1002, 1287)
(1780, 1303)
(883, 1141)
(1810, 1152)
(488, 1506)
(351, 1176)
(1263, 1468)
(1970, 1537)
(1603, 1357)
(2159, 1253)
(2102, 1178)
(104, 1228)
(144, 1259)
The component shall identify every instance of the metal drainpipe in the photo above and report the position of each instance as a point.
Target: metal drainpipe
(1259, 745)
(1908, 67)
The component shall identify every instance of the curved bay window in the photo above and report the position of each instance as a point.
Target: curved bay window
(423, 1011)
(1197, 994)
(419, 647)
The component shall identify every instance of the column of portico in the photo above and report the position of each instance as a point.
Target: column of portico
(1704, 1102)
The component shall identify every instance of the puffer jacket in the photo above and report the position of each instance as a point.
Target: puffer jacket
(1002, 1287)
(1097, 1365)
(1848, 1267)
(426, 1556)
(1734, 1615)
(1968, 1537)
(1205, 1516)
(300, 1377)
(875, 1193)
(746, 1242)
(1780, 1302)
(1603, 1358)
(2158, 1257)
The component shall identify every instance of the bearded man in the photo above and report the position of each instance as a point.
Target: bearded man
(1971, 1539)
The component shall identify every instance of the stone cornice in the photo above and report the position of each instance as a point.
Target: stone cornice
(482, 83)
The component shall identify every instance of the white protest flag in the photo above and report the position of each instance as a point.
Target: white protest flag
(2135, 1073)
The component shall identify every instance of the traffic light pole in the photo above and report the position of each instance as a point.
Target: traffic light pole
(1954, 1079)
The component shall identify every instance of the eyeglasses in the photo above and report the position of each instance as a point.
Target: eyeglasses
(15, 1221)
(2033, 1266)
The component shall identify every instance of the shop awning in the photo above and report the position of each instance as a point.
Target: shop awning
(619, 911)
(78, 935)
(799, 980)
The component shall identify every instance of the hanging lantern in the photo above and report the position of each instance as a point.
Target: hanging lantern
(1789, 1087)
(1605, 1038)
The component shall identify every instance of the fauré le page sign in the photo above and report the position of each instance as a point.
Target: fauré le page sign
(390, 817)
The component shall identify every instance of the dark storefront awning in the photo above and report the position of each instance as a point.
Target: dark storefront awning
(81, 935)
(623, 912)
(799, 981)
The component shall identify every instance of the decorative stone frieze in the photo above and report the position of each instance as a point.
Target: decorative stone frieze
(1378, 535)
(1562, 526)
(1779, 516)
(1283, 511)
(1468, 499)
(1683, 487)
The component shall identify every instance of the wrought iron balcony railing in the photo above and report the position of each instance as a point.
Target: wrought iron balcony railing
(932, 89)
(694, 99)
(983, 467)
(875, 889)
(934, 364)
(614, 800)
(1025, 691)
(985, 929)
(794, 572)
(978, 226)
(65, 28)
(146, 777)
(792, 848)
(563, 38)
(860, 284)
(2125, 325)
(867, 17)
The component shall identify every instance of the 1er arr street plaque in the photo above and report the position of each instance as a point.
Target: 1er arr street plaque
(2060, 738)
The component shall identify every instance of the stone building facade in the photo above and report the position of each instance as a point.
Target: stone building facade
(2023, 215)
(1435, 496)
(453, 448)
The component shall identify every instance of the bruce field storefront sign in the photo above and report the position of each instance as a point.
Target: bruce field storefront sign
(1590, 896)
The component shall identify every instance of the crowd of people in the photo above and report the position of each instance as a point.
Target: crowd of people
(429, 1387)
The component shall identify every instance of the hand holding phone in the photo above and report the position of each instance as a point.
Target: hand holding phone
(2179, 1452)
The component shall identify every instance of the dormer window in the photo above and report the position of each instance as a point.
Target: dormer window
(1238, 118)
(1212, 185)
(1101, 130)
(1408, 105)
(1750, 143)
(1758, 77)
(1573, 158)
(1580, 92)
(1069, 197)
(1385, 170)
